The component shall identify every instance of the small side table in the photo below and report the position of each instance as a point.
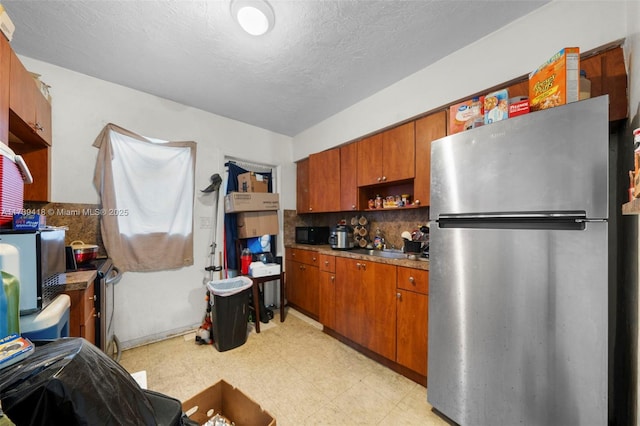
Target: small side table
(256, 296)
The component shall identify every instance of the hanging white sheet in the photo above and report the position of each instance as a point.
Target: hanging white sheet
(147, 193)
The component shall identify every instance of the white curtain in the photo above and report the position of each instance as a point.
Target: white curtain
(147, 191)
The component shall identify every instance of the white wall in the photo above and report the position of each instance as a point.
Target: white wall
(510, 52)
(153, 305)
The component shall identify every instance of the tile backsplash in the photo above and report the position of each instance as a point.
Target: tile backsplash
(392, 222)
(82, 221)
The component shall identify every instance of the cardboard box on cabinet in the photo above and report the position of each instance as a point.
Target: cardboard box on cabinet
(225, 400)
(6, 25)
(257, 224)
(252, 182)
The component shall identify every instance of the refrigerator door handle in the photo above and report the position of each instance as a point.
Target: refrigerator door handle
(570, 221)
(574, 215)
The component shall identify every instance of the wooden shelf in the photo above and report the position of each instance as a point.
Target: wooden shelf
(632, 207)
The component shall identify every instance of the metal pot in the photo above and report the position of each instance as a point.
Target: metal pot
(341, 237)
(84, 253)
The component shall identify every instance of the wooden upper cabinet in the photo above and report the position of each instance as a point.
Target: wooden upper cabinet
(324, 181)
(369, 163)
(608, 75)
(428, 129)
(29, 110)
(5, 67)
(302, 186)
(39, 163)
(388, 156)
(398, 153)
(348, 177)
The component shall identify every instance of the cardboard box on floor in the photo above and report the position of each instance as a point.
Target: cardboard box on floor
(252, 182)
(237, 202)
(257, 224)
(222, 398)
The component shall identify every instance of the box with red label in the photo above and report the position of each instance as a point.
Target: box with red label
(556, 82)
(466, 115)
(518, 106)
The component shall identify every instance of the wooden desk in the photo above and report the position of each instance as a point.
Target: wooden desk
(256, 295)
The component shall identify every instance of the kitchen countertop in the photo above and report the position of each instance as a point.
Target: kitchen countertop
(326, 249)
(78, 280)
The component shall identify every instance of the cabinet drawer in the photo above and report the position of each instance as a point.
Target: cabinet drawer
(89, 302)
(308, 257)
(413, 280)
(327, 263)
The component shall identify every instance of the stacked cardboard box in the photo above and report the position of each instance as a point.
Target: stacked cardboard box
(257, 210)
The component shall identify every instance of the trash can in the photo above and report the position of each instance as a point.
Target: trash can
(229, 299)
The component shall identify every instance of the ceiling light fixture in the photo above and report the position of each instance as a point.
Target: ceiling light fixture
(254, 16)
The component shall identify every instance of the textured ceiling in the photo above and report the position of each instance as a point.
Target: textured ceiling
(320, 58)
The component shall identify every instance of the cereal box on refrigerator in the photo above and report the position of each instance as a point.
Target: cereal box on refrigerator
(556, 82)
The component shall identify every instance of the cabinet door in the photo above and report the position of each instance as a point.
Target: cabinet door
(5, 67)
(608, 75)
(302, 288)
(428, 129)
(43, 118)
(379, 294)
(291, 277)
(327, 306)
(302, 186)
(82, 313)
(412, 314)
(324, 181)
(398, 153)
(369, 164)
(309, 290)
(349, 303)
(22, 100)
(366, 305)
(30, 111)
(39, 163)
(348, 177)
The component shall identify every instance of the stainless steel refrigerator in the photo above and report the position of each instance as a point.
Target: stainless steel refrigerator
(519, 270)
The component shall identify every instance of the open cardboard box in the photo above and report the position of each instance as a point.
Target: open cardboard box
(224, 399)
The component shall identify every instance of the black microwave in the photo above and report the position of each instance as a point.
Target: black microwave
(312, 235)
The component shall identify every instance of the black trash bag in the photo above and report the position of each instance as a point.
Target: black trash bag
(71, 382)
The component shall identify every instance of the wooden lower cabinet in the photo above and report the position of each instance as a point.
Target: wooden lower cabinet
(412, 314)
(82, 316)
(327, 284)
(302, 281)
(365, 302)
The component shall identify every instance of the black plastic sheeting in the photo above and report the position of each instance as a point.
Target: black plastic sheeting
(71, 382)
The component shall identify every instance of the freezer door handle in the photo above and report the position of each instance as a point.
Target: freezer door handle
(567, 220)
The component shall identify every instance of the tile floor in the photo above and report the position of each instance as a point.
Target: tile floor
(294, 371)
